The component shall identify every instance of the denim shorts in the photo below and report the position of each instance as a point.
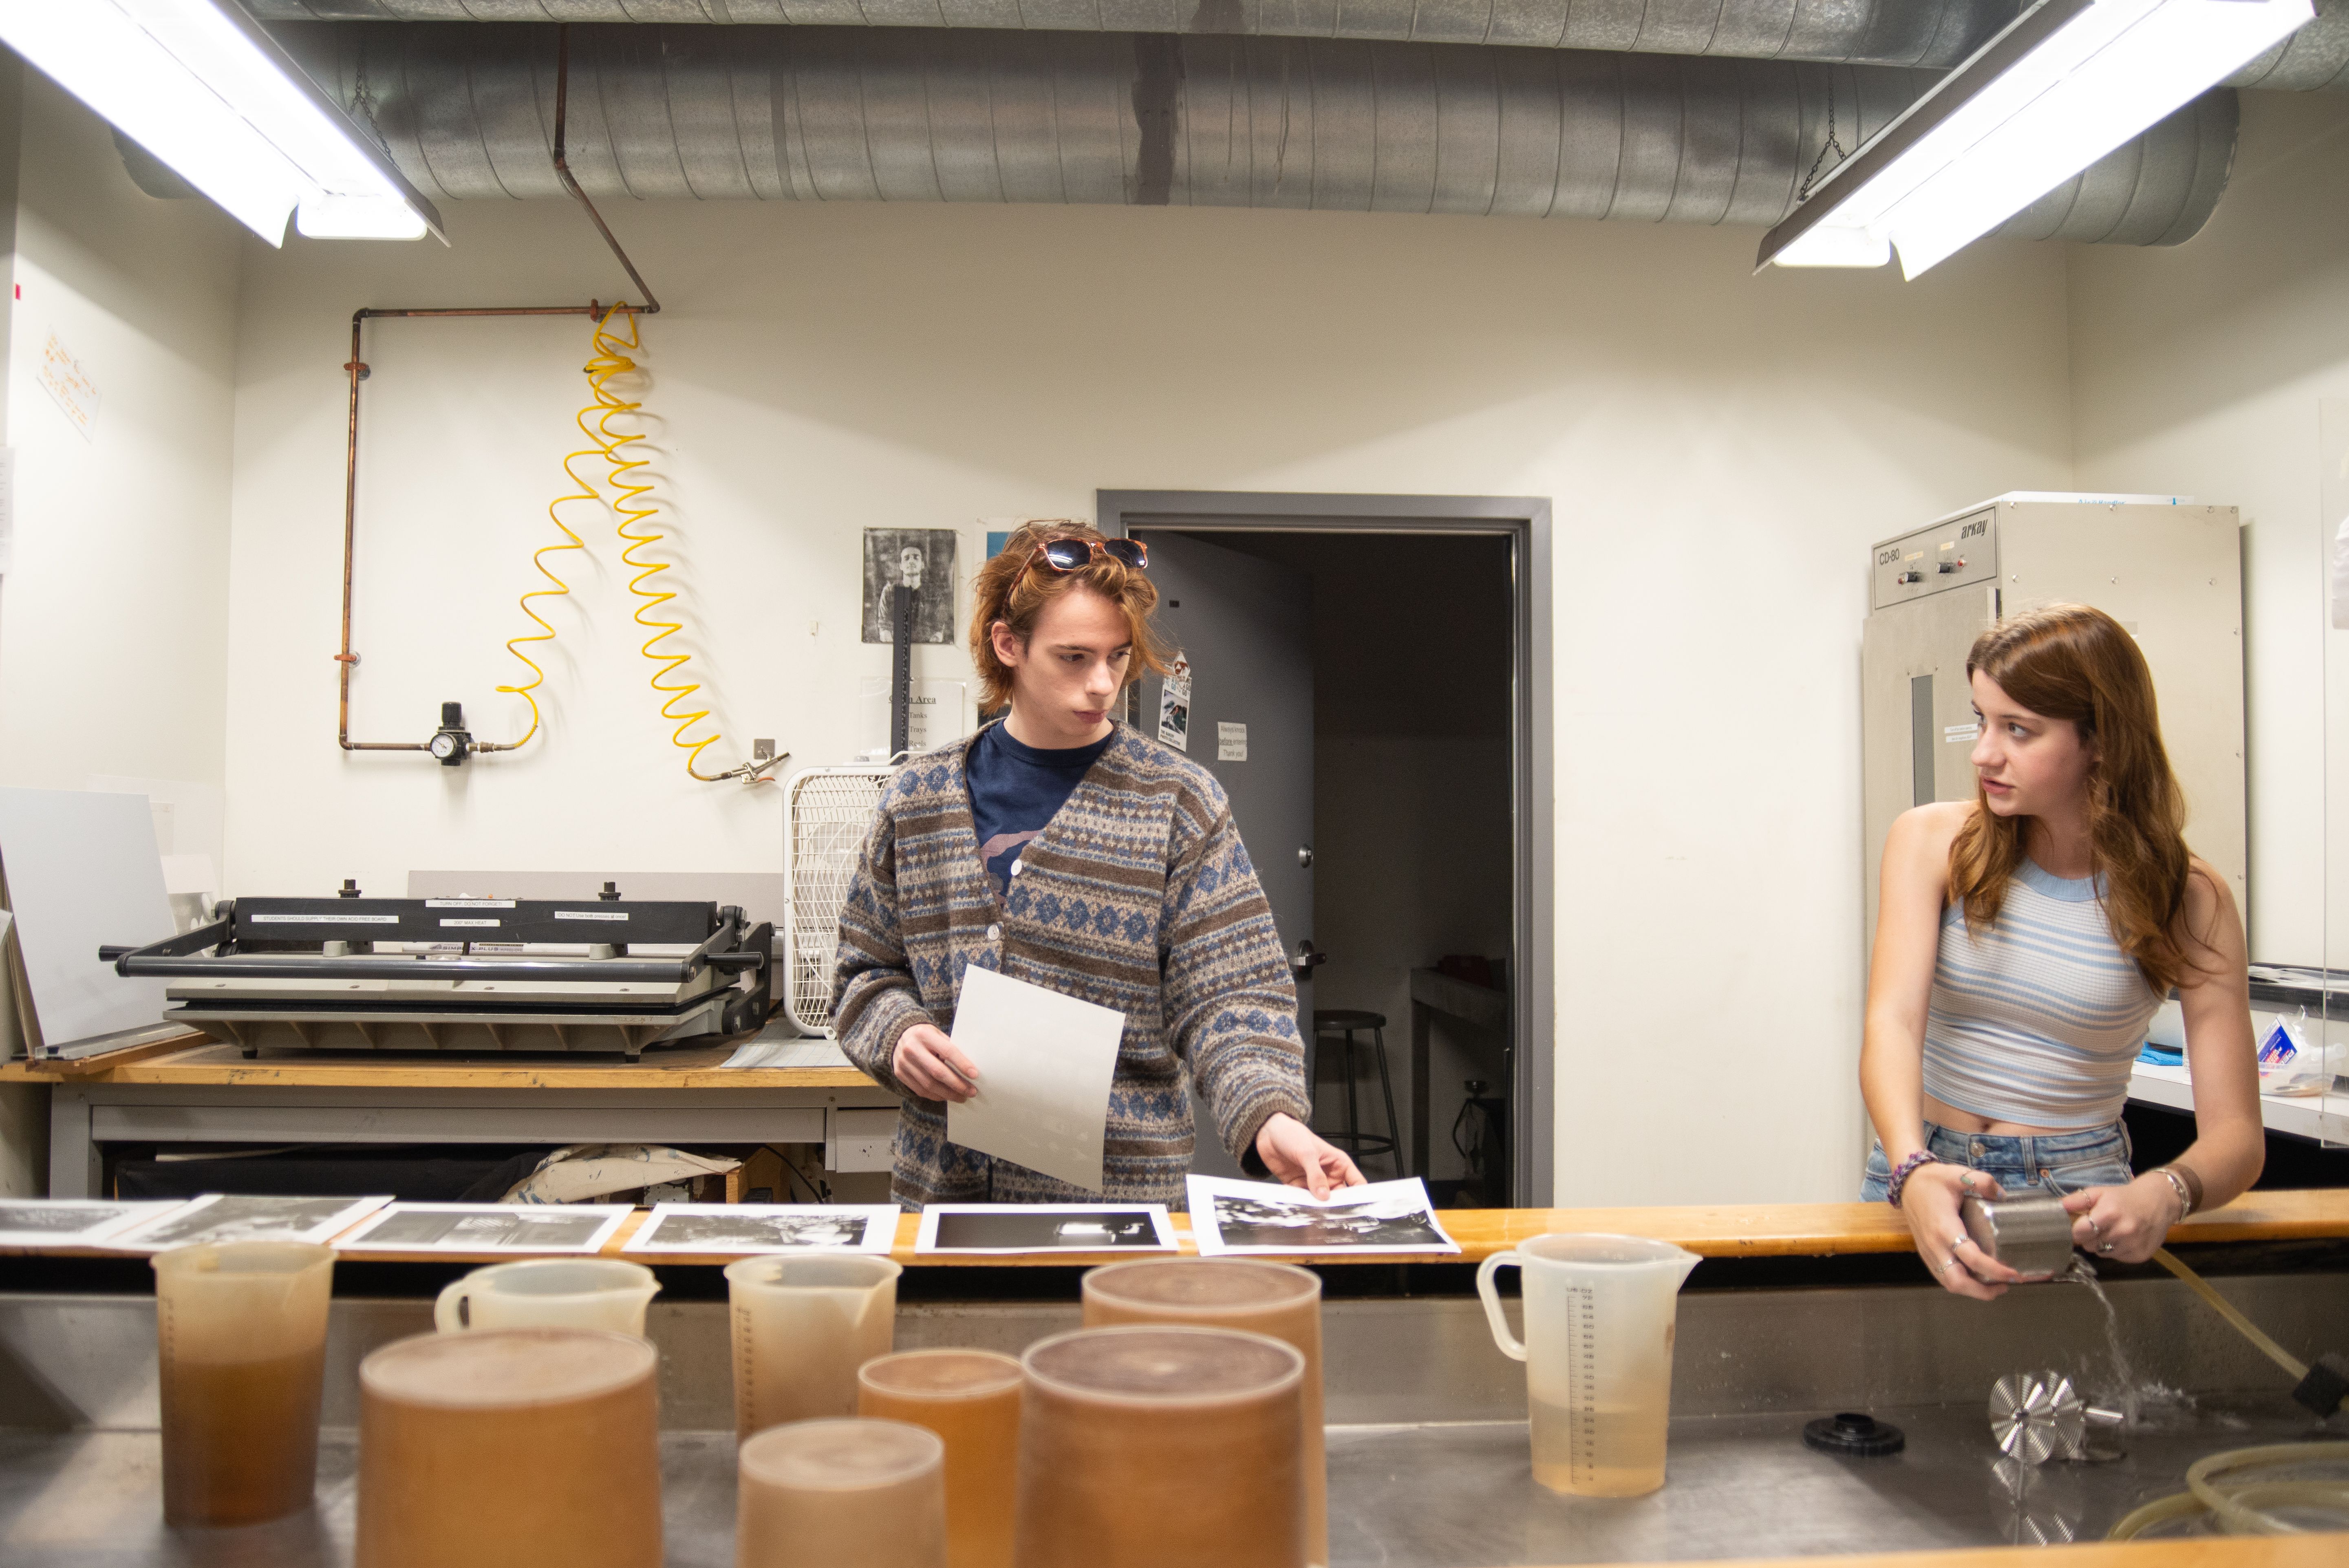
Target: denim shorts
(2093, 1157)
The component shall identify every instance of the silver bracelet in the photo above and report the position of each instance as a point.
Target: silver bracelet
(2178, 1183)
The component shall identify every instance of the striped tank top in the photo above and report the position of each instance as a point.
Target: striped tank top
(2037, 1019)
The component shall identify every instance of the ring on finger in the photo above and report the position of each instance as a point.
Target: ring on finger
(2104, 1247)
(2092, 1225)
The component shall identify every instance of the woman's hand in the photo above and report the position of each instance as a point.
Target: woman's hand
(2123, 1223)
(932, 1066)
(1294, 1155)
(1930, 1204)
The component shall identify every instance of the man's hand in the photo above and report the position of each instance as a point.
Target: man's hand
(932, 1066)
(1294, 1155)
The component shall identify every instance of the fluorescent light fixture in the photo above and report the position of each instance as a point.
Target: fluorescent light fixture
(199, 84)
(2067, 82)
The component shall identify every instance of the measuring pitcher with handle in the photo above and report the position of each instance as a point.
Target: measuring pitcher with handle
(1599, 1312)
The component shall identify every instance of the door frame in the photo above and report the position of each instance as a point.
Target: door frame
(1525, 521)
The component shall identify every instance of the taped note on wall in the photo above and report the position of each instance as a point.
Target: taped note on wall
(1174, 704)
(1231, 743)
(68, 385)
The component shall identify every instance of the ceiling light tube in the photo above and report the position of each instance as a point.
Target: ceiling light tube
(200, 84)
(2065, 83)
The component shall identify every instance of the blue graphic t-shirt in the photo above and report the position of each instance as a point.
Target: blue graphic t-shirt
(1015, 790)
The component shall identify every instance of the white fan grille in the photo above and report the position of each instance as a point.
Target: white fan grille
(826, 814)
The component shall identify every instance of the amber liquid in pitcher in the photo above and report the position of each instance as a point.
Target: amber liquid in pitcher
(241, 1438)
(970, 1398)
(1598, 1452)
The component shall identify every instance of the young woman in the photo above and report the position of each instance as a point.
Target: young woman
(1061, 848)
(2024, 940)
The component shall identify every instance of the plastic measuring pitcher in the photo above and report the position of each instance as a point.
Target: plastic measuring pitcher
(1597, 1350)
(549, 1292)
(802, 1326)
(241, 1336)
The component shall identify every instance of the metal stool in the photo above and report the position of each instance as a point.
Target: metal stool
(1342, 1024)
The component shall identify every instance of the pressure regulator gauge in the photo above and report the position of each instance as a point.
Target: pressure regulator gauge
(451, 744)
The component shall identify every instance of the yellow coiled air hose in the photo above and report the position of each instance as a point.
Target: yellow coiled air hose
(545, 634)
(611, 359)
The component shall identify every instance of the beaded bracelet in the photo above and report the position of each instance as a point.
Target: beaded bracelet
(1906, 1168)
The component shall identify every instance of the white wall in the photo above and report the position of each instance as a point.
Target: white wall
(113, 616)
(1721, 449)
(2199, 370)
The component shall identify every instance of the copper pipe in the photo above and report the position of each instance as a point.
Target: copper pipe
(357, 369)
(563, 167)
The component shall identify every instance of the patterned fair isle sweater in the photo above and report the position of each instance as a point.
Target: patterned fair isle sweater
(1138, 896)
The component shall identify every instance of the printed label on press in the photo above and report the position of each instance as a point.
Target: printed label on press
(589, 914)
(490, 924)
(469, 903)
(324, 919)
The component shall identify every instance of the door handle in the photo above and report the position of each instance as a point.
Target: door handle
(1305, 855)
(1305, 960)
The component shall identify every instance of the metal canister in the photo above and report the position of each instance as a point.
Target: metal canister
(2032, 1235)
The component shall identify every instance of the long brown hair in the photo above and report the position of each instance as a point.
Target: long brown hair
(2073, 662)
(1007, 592)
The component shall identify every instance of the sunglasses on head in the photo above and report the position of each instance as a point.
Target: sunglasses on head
(1076, 554)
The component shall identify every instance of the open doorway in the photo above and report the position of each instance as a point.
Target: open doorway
(1399, 634)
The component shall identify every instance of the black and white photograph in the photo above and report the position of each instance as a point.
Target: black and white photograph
(1045, 1228)
(248, 1217)
(755, 1228)
(74, 1222)
(488, 1228)
(1229, 1216)
(923, 559)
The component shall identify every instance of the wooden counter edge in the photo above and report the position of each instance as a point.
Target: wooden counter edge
(54, 1069)
(2324, 1550)
(1800, 1230)
(146, 1065)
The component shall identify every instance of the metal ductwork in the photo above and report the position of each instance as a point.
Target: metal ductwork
(868, 114)
(1934, 34)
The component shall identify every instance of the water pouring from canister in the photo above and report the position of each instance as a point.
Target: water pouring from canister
(2031, 1234)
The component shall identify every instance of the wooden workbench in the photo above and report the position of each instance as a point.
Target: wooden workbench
(2324, 1551)
(199, 1091)
(1726, 1231)
(191, 1091)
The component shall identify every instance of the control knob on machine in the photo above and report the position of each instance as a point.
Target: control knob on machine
(1910, 576)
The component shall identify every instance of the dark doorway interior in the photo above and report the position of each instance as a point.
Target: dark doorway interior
(1413, 677)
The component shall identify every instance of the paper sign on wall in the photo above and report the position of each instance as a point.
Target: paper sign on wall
(1231, 743)
(1174, 704)
(936, 712)
(68, 385)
